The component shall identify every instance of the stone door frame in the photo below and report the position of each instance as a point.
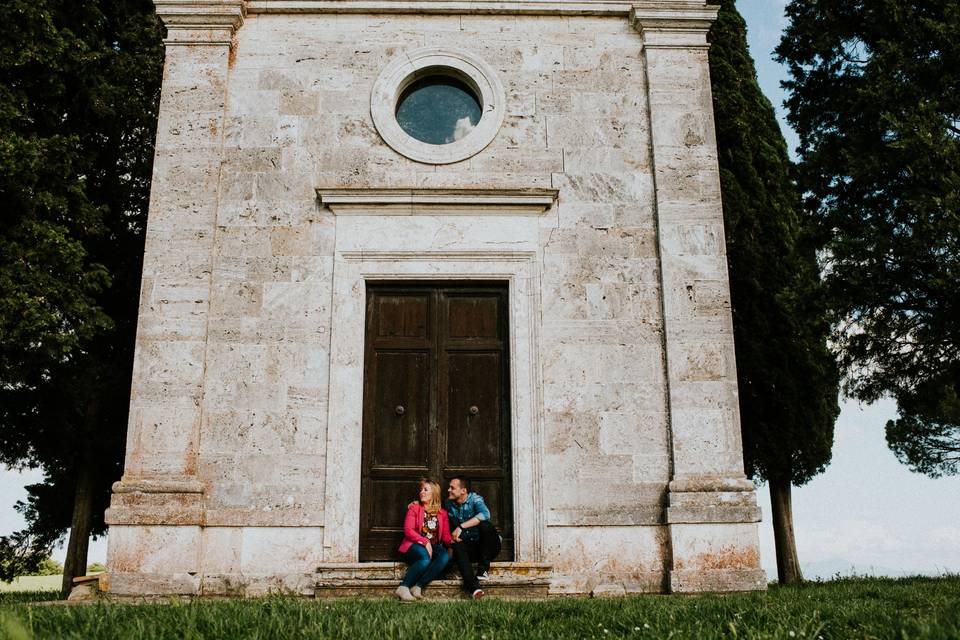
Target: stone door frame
(438, 442)
(409, 252)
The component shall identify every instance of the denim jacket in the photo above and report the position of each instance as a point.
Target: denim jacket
(472, 507)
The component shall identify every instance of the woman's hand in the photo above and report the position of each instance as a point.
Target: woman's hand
(429, 548)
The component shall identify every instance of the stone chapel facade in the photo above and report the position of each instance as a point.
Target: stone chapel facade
(335, 303)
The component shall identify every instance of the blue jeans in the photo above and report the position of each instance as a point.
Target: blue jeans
(423, 568)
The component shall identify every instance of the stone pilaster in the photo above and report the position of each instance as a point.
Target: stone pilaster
(712, 507)
(160, 485)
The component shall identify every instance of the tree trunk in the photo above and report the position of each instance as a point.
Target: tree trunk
(75, 563)
(781, 502)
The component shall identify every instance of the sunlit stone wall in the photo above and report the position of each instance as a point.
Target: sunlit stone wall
(240, 475)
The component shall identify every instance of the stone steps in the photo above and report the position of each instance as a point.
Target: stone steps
(513, 580)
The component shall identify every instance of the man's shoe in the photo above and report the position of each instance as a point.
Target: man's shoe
(478, 594)
(404, 594)
(482, 575)
(416, 592)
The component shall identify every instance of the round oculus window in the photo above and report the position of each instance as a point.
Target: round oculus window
(438, 109)
(437, 105)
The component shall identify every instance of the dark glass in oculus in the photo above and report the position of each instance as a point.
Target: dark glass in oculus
(438, 109)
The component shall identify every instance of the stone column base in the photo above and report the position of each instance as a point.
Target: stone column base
(700, 580)
(122, 584)
(172, 501)
(703, 499)
(713, 535)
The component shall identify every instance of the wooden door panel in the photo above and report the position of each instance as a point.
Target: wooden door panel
(436, 351)
(474, 439)
(402, 315)
(471, 317)
(492, 491)
(393, 495)
(401, 411)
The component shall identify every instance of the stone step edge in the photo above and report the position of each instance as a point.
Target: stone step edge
(375, 583)
(331, 566)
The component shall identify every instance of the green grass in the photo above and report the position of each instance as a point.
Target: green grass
(850, 608)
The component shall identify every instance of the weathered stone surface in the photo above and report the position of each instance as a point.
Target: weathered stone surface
(715, 557)
(720, 580)
(140, 584)
(246, 406)
(85, 589)
(608, 590)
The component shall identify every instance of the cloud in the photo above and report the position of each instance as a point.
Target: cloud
(462, 128)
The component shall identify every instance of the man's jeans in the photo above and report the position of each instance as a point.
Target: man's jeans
(424, 569)
(481, 551)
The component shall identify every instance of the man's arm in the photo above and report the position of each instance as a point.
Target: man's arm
(482, 513)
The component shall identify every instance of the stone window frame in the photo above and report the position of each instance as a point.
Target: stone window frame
(413, 65)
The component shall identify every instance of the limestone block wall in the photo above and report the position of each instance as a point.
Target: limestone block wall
(236, 443)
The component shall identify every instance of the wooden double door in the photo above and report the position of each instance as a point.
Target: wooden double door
(435, 404)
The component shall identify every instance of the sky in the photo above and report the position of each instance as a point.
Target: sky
(867, 514)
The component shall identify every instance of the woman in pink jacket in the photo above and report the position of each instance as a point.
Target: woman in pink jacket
(426, 534)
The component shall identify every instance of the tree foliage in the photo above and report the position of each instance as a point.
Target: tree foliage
(787, 377)
(79, 88)
(926, 436)
(875, 98)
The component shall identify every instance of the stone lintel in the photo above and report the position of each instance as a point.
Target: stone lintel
(673, 25)
(616, 8)
(398, 202)
(200, 22)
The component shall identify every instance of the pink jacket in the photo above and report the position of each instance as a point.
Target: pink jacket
(413, 523)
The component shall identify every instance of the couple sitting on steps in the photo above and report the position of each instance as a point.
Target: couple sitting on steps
(431, 534)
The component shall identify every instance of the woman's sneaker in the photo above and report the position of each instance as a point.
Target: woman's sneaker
(482, 575)
(416, 592)
(478, 594)
(404, 594)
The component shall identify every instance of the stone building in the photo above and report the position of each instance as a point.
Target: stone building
(395, 238)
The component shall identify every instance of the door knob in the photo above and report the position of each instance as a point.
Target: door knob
(474, 410)
(400, 410)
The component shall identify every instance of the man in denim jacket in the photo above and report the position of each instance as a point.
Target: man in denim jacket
(474, 536)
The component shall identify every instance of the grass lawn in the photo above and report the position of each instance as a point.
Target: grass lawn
(32, 583)
(849, 608)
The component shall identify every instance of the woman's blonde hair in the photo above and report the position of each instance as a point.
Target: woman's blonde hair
(434, 507)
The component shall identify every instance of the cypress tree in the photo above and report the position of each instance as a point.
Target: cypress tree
(79, 91)
(787, 377)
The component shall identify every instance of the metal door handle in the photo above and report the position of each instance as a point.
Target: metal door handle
(400, 410)
(474, 410)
